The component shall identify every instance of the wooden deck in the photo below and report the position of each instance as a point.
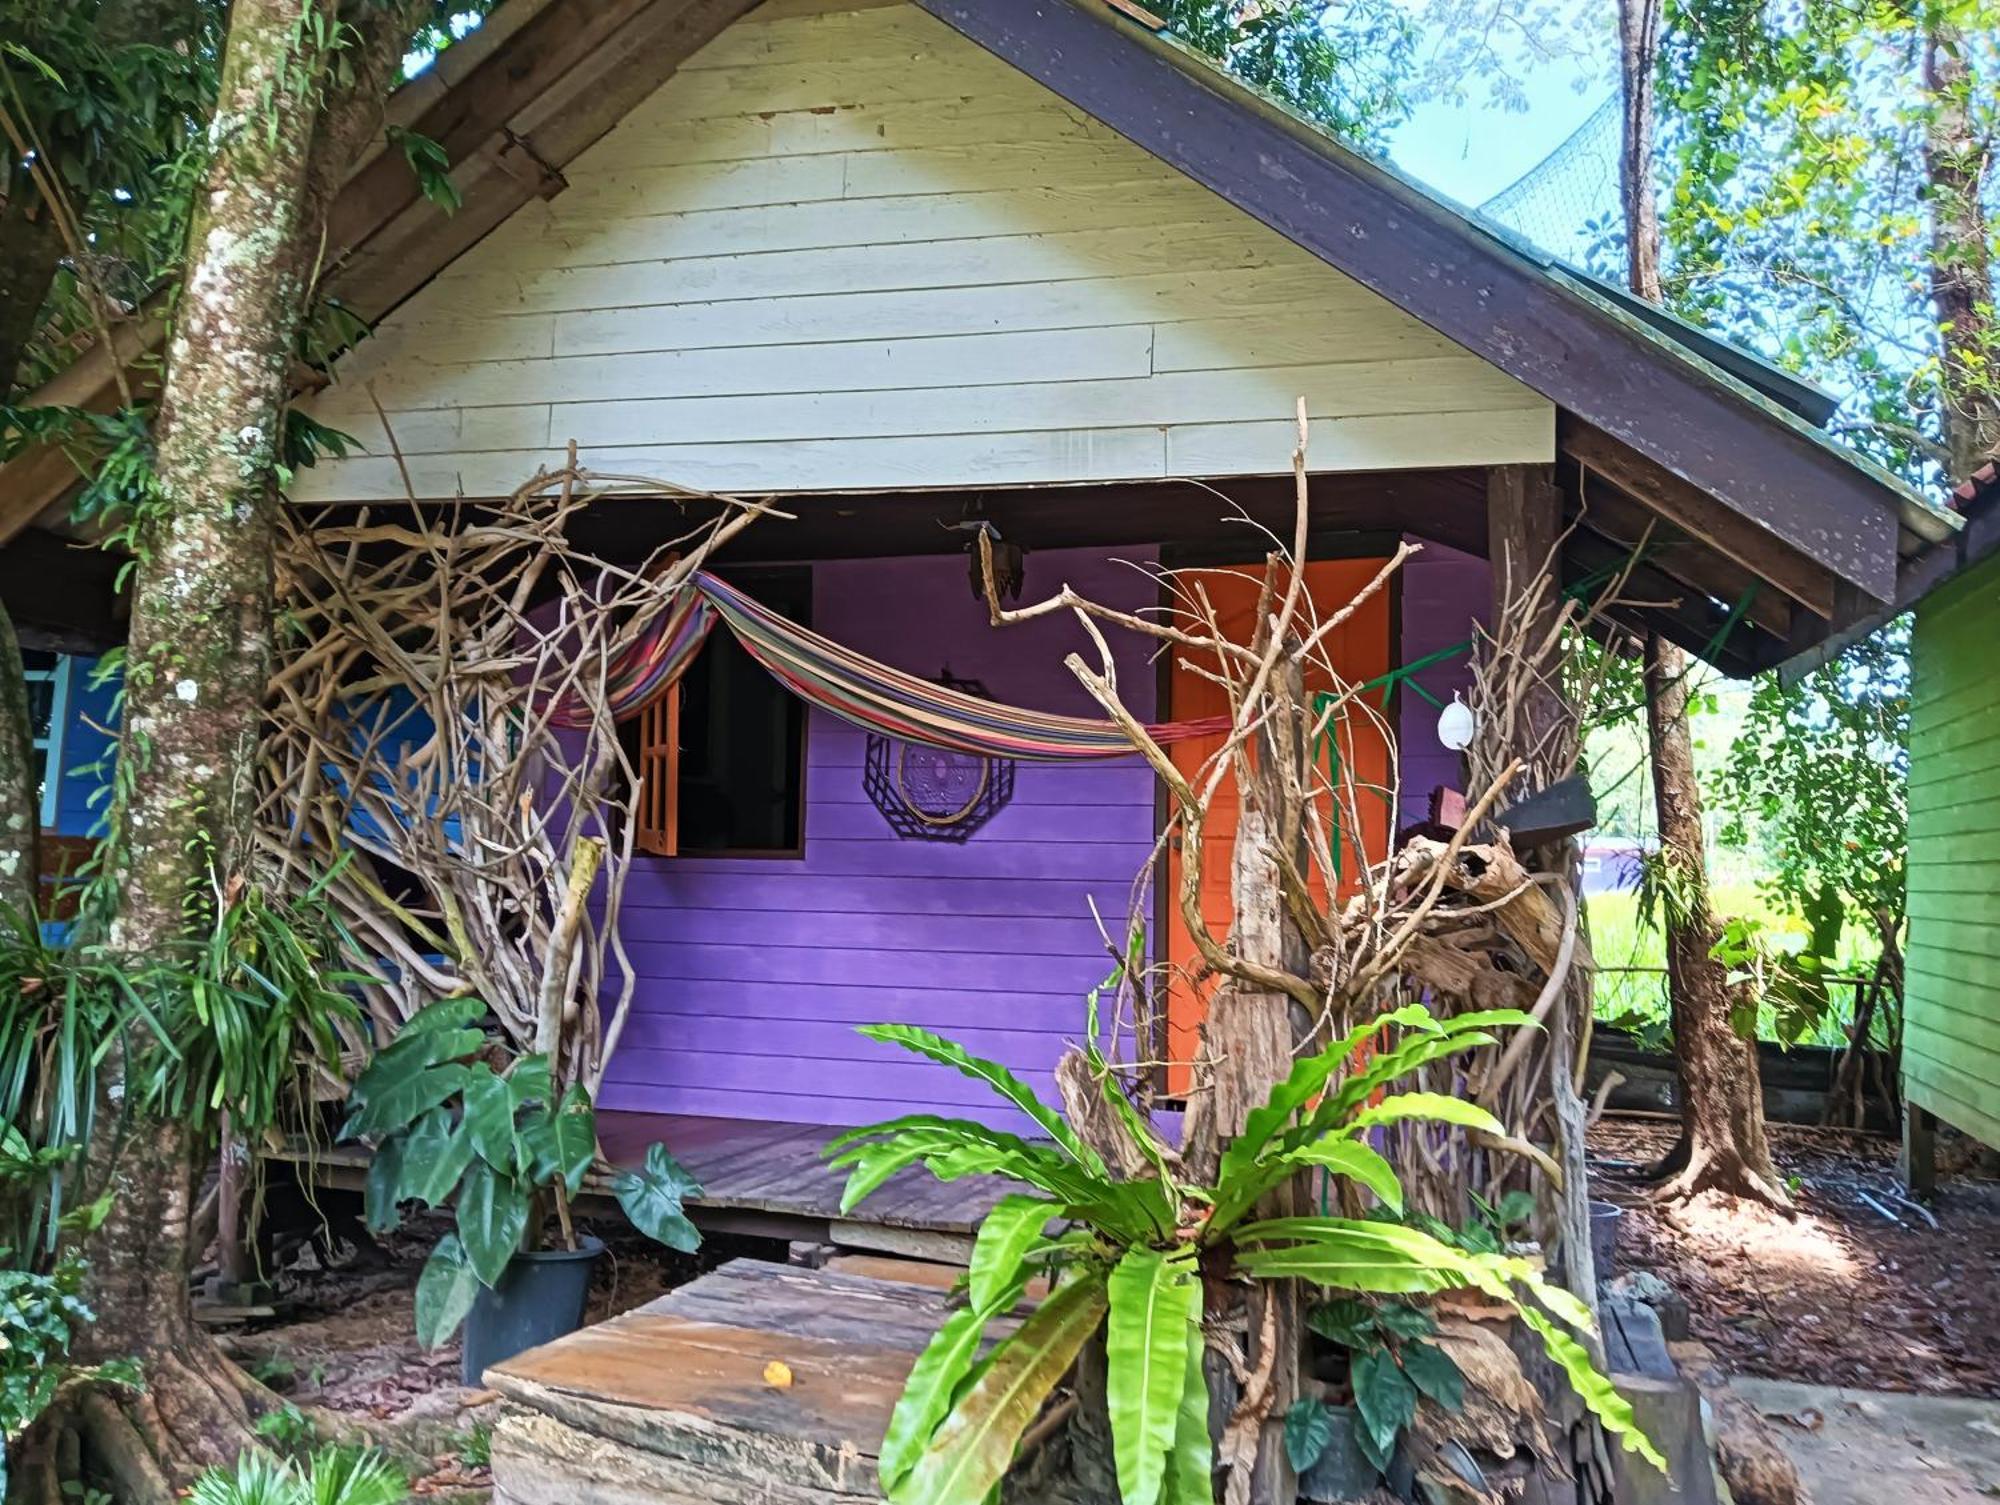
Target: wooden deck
(764, 1179)
(676, 1403)
(778, 1170)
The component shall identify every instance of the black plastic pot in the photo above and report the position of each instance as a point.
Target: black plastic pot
(1604, 1220)
(540, 1298)
(1343, 1471)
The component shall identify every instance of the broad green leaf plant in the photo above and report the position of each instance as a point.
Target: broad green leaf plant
(1126, 1255)
(501, 1147)
(1391, 1363)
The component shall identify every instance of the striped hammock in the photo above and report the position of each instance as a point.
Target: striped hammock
(850, 685)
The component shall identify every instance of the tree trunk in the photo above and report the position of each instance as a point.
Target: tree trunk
(1250, 1037)
(198, 659)
(20, 801)
(1523, 527)
(200, 638)
(1722, 1107)
(1638, 59)
(1247, 1046)
(1957, 158)
(1723, 1145)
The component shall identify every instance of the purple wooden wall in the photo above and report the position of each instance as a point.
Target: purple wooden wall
(1442, 592)
(756, 970)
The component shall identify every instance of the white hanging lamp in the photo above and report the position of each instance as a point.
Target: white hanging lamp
(1456, 724)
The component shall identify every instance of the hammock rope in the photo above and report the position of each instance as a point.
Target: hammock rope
(879, 698)
(852, 686)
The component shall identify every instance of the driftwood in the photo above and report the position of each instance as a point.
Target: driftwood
(1481, 1453)
(1751, 1460)
(413, 723)
(1459, 919)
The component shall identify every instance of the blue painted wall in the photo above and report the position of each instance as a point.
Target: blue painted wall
(89, 734)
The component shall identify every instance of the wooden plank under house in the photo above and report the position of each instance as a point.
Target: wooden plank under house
(925, 270)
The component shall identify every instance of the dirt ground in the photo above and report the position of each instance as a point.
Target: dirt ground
(345, 1336)
(1859, 1290)
(1940, 1449)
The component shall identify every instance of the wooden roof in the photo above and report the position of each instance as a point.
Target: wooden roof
(1976, 500)
(1757, 519)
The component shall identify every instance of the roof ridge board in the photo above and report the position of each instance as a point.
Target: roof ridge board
(1942, 521)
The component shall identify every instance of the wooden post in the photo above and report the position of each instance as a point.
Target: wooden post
(1919, 1158)
(1523, 525)
(1247, 1040)
(234, 1270)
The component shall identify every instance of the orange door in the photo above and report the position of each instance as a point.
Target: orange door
(1359, 651)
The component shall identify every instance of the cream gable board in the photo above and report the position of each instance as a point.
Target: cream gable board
(845, 249)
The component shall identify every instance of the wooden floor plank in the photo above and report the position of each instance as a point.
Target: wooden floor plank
(758, 1167)
(791, 1171)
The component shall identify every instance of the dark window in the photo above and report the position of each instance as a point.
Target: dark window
(740, 783)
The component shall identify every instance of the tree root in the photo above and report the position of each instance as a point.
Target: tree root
(36, 1477)
(1669, 1165)
(197, 1410)
(1707, 1170)
(129, 1458)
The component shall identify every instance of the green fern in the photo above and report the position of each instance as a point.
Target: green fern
(1129, 1259)
(331, 1476)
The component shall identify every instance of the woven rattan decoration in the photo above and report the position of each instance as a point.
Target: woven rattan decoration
(931, 793)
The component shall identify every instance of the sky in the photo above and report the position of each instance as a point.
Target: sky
(1515, 101)
(1470, 151)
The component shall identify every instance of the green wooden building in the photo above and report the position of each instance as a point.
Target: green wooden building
(1951, 1040)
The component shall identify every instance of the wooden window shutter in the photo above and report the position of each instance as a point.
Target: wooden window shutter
(659, 774)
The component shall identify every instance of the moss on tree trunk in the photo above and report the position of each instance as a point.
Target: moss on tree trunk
(199, 656)
(20, 805)
(199, 648)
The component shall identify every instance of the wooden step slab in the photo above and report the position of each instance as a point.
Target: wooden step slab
(679, 1399)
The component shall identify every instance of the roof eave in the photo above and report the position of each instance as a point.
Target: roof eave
(1473, 286)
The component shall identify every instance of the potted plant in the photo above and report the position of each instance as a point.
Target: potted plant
(1389, 1361)
(1136, 1253)
(508, 1152)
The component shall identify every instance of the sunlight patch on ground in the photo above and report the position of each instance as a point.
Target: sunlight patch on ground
(1769, 1240)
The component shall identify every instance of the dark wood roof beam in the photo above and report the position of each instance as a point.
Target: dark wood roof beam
(1702, 517)
(556, 41)
(1618, 519)
(1657, 601)
(509, 166)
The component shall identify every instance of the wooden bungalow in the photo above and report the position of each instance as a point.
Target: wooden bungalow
(1951, 988)
(932, 266)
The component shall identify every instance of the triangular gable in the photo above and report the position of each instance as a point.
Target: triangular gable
(850, 249)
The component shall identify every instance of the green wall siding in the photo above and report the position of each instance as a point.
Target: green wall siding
(1951, 1044)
